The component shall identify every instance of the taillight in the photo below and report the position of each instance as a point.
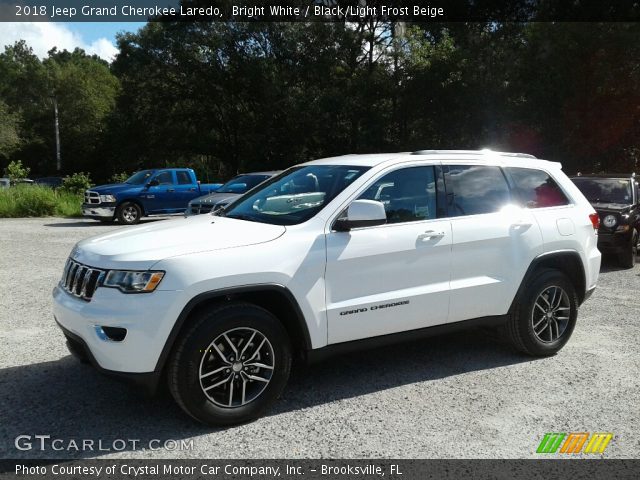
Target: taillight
(595, 220)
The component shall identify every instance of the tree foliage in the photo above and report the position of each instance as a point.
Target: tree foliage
(229, 97)
(15, 171)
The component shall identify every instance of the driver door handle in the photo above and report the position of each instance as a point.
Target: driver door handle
(171, 189)
(429, 234)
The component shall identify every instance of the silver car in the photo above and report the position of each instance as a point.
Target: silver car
(227, 193)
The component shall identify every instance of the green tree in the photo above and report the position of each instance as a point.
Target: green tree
(9, 131)
(85, 91)
(16, 171)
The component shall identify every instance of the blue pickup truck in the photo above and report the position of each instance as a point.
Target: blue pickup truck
(147, 192)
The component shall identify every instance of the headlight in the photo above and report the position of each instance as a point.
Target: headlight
(107, 198)
(609, 221)
(133, 282)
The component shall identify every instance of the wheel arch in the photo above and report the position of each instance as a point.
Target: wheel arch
(275, 298)
(566, 261)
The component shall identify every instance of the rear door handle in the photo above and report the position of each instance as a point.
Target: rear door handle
(429, 234)
(171, 189)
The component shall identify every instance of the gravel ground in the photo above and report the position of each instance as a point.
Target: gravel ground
(458, 396)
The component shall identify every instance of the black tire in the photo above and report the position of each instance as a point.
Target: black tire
(129, 213)
(627, 258)
(195, 347)
(520, 326)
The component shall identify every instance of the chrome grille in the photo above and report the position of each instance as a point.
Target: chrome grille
(201, 208)
(91, 197)
(80, 280)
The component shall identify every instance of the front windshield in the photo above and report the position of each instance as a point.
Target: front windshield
(294, 196)
(605, 190)
(140, 177)
(242, 183)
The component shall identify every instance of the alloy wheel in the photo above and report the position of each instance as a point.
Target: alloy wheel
(550, 315)
(236, 367)
(130, 213)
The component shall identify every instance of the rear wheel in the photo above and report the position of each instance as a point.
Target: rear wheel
(129, 213)
(544, 318)
(230, 365)
(627, 258)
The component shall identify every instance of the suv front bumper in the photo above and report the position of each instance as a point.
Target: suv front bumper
(148, 382)
(613, 242)
(147, 318)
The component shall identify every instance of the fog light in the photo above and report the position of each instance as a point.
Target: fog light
(111, 334)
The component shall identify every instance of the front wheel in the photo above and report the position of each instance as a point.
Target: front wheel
(230, 365)
(129, 213)
(627, 258)
(544, 317)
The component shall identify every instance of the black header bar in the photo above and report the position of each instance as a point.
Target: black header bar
(319, 10)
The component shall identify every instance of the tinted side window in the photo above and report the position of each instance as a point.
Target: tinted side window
(183, 177)
(408, 194)
(536, 189)
(476, 189)
(164, 178)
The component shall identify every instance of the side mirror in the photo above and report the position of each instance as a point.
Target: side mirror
(362, 213)
(153, 183)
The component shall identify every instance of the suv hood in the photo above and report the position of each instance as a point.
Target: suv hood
(215, 198)
(142, 246)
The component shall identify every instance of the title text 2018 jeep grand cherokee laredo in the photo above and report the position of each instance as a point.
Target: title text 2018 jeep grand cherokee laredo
(325, 256)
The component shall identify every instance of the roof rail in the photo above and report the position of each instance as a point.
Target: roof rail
(472, 152)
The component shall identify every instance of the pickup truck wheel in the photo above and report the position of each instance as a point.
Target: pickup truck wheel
(129, 213)
(627, 258)
(545, 315)
(230, 365)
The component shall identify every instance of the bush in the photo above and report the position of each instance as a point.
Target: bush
(119, 177)
(68, 204)
(16, 171)
(76, 183)
(27, 201)
(38, 201)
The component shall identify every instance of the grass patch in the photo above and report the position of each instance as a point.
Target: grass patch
(37, 201)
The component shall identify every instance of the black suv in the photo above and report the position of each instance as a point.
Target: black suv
(616, 198)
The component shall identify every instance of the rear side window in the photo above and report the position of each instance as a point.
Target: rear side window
(183, 177)
(536, 189)
(476, 189)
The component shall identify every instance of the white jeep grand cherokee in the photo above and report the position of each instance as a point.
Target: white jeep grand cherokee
(328, 256)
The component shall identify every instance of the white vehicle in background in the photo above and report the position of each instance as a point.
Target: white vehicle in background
(326, 257)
